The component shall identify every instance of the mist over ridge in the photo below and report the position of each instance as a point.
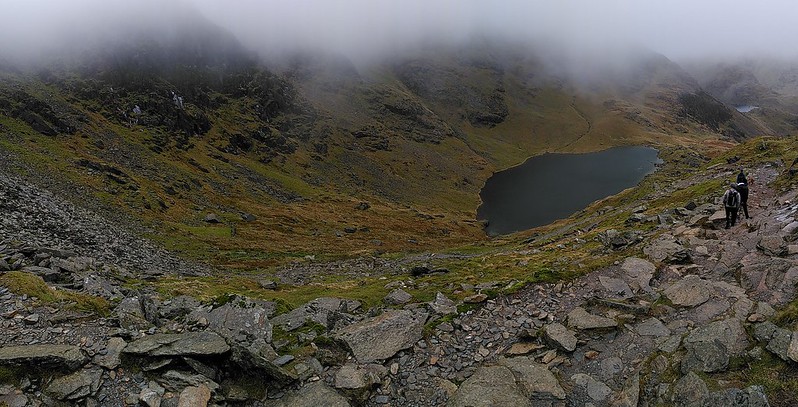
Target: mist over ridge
(366, 30)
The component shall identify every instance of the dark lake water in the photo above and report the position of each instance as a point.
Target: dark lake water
(554, 186)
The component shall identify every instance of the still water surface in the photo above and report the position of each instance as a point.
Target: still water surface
(554, 186)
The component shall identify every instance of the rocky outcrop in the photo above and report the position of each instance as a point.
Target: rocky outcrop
(383, 336)
(188, 344)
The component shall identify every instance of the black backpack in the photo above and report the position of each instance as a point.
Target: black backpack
(733, 200)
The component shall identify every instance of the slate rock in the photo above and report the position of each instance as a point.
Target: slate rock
(195, 396)
(595, 389)
(383, 336)
(616, 287)
(536, 381)
(111, 360)
(442, 305)
(313, 394)
(772, 245)
(752, 396)
(638, 273)
(560, 337)
(398, 297)
(354, 377)
(76, 386)
(667, 250)
(176, 381)
(652, 327)
(186, 344)
(66, 358)
(490, 386)
(690, 391)
(579, 318)
(690, 291)
(178, 307)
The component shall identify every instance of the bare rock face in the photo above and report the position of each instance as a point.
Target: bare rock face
(60, 357)
(381, 337)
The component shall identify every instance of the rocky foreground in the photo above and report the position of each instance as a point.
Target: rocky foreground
(646, 331)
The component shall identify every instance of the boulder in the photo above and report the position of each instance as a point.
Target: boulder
(238, 322)
(398, 297)
(638, 273)
(130, 314)
(579, 318)
(442, 305)
(76, 386)
(729, 332)
(705, 357)
(535, 380)
(110, 360)
(258, 358)
(318, 311)
(186, 344)
(212, 218)
(313, 394)
(490, 386)
(772, 245)
(652, 327)
(690, 291)
(690, 391)
(354, 377)
(560, 337)
(667, 250)
(616, 288)
(178, 307)
(65, 358)
(195, 396)
(753, 396)
(595, 389)
(381, 337)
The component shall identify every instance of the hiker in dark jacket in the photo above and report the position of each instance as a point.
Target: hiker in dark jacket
(731, 202)
(742, 188)
(741, 177)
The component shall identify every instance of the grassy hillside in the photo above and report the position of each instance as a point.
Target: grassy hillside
(318, 157)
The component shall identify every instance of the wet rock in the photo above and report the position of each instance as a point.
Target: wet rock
(187, 344)
(489, 386)
(579, 318)
(313, 394)
(690, 291)
(59, 357)
(690, 391)
(75, 386)
(536, 381)
(398, 297)
(560, 337)
(381, 337)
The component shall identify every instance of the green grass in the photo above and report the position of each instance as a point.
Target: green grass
(22, 283)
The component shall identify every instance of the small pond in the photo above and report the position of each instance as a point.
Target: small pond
(554, 186)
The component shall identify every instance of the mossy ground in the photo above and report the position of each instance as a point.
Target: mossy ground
(22, 283)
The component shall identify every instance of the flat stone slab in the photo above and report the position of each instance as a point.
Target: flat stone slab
(192, 343)
(690, 291)
(579, 318)
(381, 337)
(62, 357)
(559, 336)
(652, 327)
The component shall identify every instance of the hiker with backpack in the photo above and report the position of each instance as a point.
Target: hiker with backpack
(731, 202)
(742, 188)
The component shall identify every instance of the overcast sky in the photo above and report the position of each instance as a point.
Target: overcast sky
(677, 28)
